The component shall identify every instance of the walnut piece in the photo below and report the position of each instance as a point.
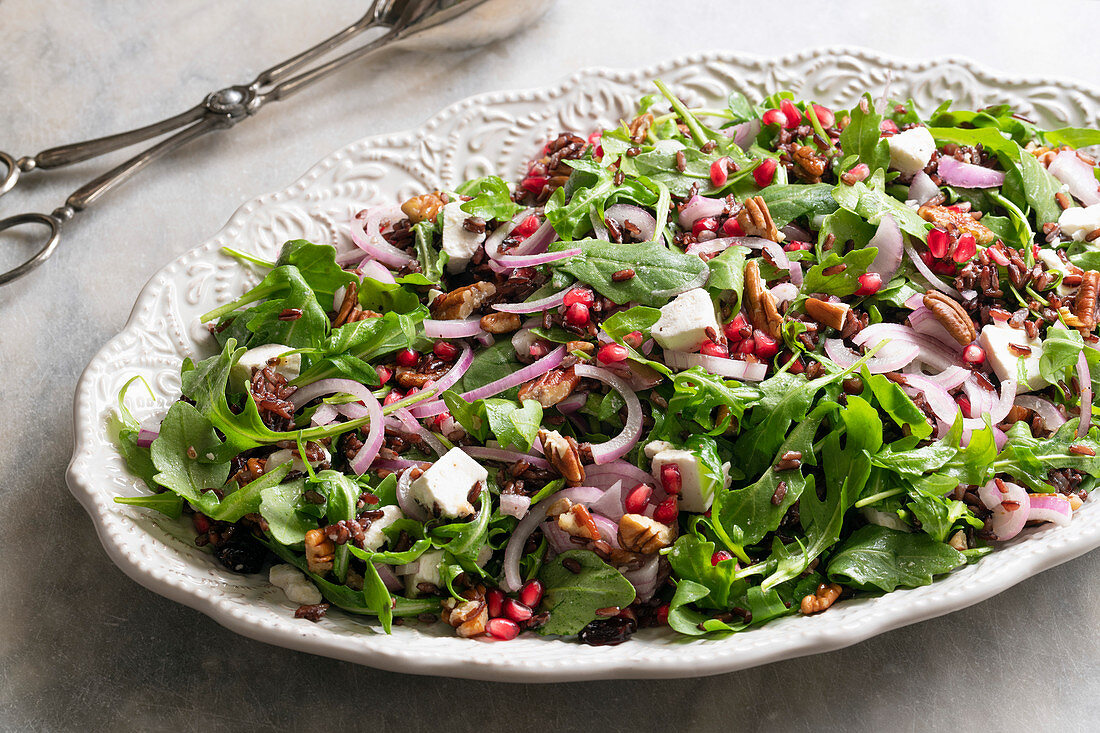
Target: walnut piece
(564, 455)
(320, 552)
(956, 222)
(421, 208)
(498, 323)
(826, 595)
(952, 316)
(460, 303)
(550, 388)
(639, 533)
(760, 303)
(827, 313)
(756, 220)
(577, 522)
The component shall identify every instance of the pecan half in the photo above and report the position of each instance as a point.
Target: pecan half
(826, 595)
(639, 128)
(550, 388)
(462, 302)
(756, 220)
(421, 208)
(468, 618)
(760, 303)
(424, 372)
(827, 313)
(1085, 304)
(639, 533)
(810, 163)
(577, 522)
(320, 552)
(951, 315)
(956, 222)
(498, 323)
(1070, 318)
(564, 455)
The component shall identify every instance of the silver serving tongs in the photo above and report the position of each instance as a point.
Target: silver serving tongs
(220, 110)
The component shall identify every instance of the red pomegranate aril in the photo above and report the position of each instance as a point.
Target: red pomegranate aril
(407, 358)
(611, 353)
(662, 614)
(797, 367)
(889, 127)
(712, 349)
(638, 499)
(577, 314)
(748, 346)
(869, 284)
(445, 350)
(671, 479)
(393, 396)
(792, 113)
(667, 511)
(733, 328)
(943, 267)
(535, 184)
(858, 173)
(764, 174)
(938, 240)
(974, 354)
(795, 246)
(731, 228)
(706, 224)
(774, 117)
(384, 374)
(201, 523)
(538, 350)
(720, 556)
(824, 115)
(965, 249)
(633, 339)
(964, 405)
(719, 172)
(998, 256)
(526, 227)
(494, 599)
(766, 346)
(517, 611)
(530, 594)
(502, 628)
(578, 295)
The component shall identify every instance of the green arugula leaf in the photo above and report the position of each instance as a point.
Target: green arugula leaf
(573, 598)
(794, 201)
(180, 456)
(278, 505)
(863, 139)
(727, 275)
(1030, 459)
(316, 264)
(842, 283)
(490, 199)
(875, 557)
(515, 427)
(658, 270)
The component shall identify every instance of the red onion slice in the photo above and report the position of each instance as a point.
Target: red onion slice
(967, 175)
(923, 189)
(375, 270)
(1007, 520)
(636, 215)
(700, 207)
(387, 577)
(1084, 379)
(951, 377)
(514, 505)
(409, 423)
(396, 464)
(890, 245)
(146, 436)
(1077, 175)
(607, 475)
(409, 505)
(744, 134)
(505, 456)
(323, 415)
(932, 351)
(730, 368)
(644, 579)
(890, 358)
(366, 232)
(462, 364)
(434, 329)
(1054, 508)
(632, 431)
(513, 551)
(514, 261)
(1046, 410)
(928, 275)
(610, 505)
(534, 306)
(375, 434)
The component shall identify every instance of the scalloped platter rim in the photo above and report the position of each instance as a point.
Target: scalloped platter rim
(495, 132)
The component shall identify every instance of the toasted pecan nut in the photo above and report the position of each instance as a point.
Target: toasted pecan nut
(320, 552)
(460, 303)
(550, 388)
(756, 221)
(422, 208)
(577, 522)
(811, 164)
(760, 303)
(498, 323)
(641, 534)
(1085, 302)
(826, 595)
(639, 128)
(952, 316)
(956, 222)
(468, 618)
(564, 455)
(827, 313)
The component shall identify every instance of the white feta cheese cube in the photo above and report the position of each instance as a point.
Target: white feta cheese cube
(284, 574)
(1054, 263)
(696, 489)
(656, 446)
(1078, 222)
(684, 321)
(427, 571)
(447, 483)
(290, 455)
(996, 340)
(458, 242)
(267, 355)
(294, 584)
(911, 150)
(374, 537)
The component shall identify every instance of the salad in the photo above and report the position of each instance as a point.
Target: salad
(703, 370)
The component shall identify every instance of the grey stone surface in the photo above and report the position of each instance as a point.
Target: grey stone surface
(82, 647)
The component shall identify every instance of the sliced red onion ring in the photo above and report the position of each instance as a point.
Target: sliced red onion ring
(557, 538)
(890, 358)
(1007, 520)
(607, 475)
(462, 364)
(375, 434)
(375, 270)
(967, 175)
(644, 579)
(609, 529)
(915, 301)
(945, 408)
(1085, 380)
(924, 321)
(494, 240)
(632, 431)
(890, 245)
(1077, 175)
(513, 551)
(951, 377)
(731, 368)
(514, 505)
(366, 232)
(796, 273)
(932, 351)
(146, 436)
(928, 275)
(409, 505)
(324, 414)
(387, 577)
(396, 464)
(610, 504)
(434, 329)
(537, 242)
(1046, 410)
(636, 215)
(923, 189)
(573, 402)
(505, 456)
(796, 233)
(981, 399)
(529, 372)
(411, 424)
(1050, 508)
(700, 207)
(744, 133)
(534, 306)
(513, 261)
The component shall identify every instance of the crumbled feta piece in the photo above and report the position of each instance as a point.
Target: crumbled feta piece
(262, 356)
(483, 555)
(374, 537)
(684, 321)
(458, 242)
(656, 446)
(1054, 263)
(1078, 222)
(427, 571)
(294, 584)
(995, 339)
(448, 482)
(285, 455)
(911, 150)
(696, 489)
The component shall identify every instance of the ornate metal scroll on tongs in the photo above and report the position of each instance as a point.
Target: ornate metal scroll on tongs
(421, 24)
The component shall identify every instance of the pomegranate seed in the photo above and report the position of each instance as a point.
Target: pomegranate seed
(706, 224)
(530, 594)
(535, 184)
(445, 350)
(634, 339)
(384, 374)
(494, 599)
(439, 419)
(938, 240)
(824, 115)
(407, 357)
(733, 328)
(662, 615)
(720, 556)
(888, 126)
(539, 350)
(797, 367)
(201, 523)
(944, 267)
(611, 353)
(393, 396)
(748, 346)
(502, 628)
(595, 137)
(974, 354)
(598, 152)
(965, 248)
(795, 246)
(578, 295)
(731, 228)
(577, 314)
(712, 349)
(792, 113)
(997, 255)
(517, 611)
(964, 405)
(719, 172)
(766, 346)
(526, 227)
(869, 284)
(764, 174)
(858, 173)
(667, 511)
(671, 479)
(638, 499)
(774, 117)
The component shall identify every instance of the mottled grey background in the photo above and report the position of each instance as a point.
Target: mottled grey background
(84, 648)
